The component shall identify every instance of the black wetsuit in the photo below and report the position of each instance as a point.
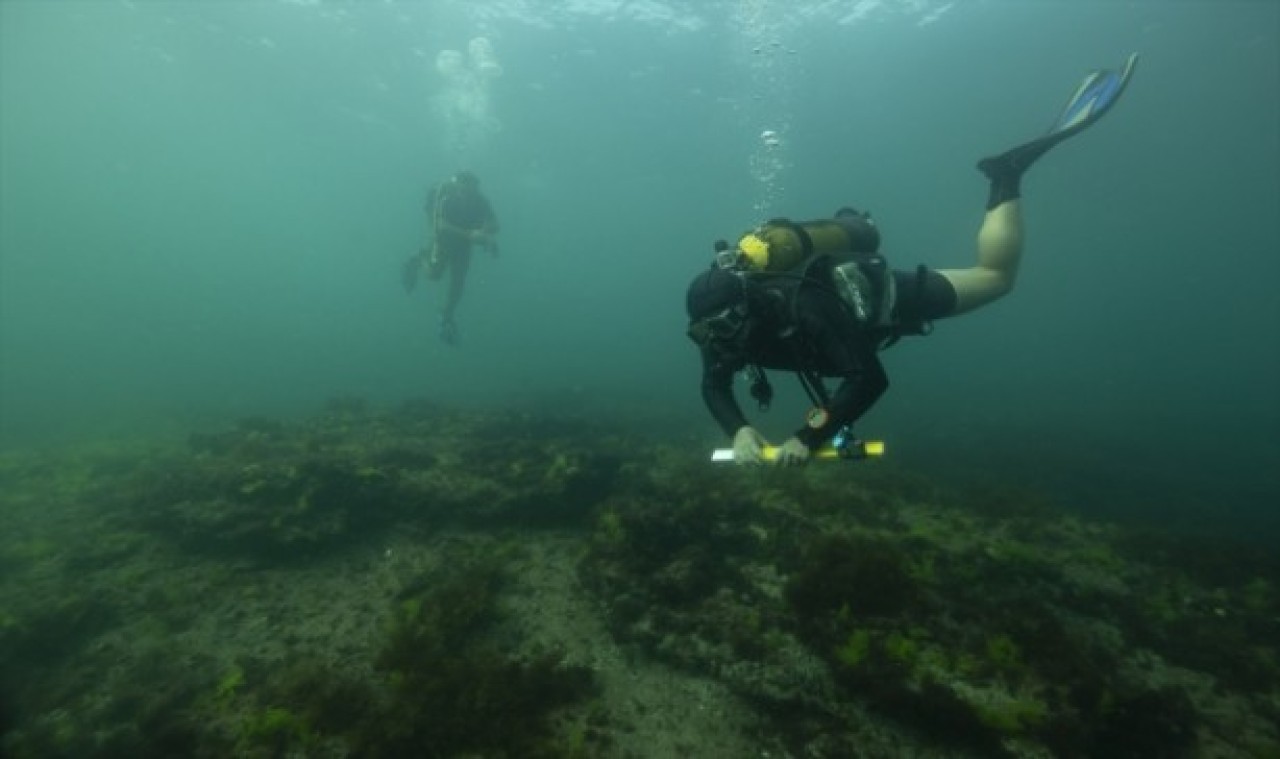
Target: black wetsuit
(467, 210)
(462, 211)
(820, 335)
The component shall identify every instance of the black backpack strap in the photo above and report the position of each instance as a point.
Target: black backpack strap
(814, 388)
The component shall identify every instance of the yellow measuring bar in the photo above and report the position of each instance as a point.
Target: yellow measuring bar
(861, 450)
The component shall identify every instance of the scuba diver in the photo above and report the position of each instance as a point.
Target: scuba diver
(817, 298)
(460, 216)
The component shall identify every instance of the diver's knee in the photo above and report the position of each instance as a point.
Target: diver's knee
(1002, 286)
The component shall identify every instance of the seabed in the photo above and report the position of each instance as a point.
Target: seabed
(429, 582)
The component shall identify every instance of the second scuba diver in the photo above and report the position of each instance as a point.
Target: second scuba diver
(459, 216)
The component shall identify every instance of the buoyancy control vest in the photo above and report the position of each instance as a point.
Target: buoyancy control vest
(840, 255)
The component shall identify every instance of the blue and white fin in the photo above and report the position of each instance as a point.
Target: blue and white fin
(1094, 97)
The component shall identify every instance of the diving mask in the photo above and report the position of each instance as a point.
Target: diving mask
(721, 327)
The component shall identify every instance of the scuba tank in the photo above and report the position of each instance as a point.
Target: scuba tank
(782, 245)
(850, 241)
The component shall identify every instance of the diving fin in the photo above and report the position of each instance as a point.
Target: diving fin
(1099, 91)
(1094, 97)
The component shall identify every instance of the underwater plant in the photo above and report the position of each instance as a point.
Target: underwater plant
(229, 686)
(449, 685)
(867, 577)
(855, 649)
(1003, 656)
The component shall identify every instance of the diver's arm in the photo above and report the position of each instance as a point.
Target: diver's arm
(717, 393)
(864, 381)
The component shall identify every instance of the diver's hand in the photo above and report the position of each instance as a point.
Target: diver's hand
(792, 453)
(748, 446)
(485, 239)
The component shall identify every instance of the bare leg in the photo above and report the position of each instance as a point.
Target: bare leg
(999, 253)
(1000, 239)
(458, 268)
(457, 280)
(440, 261)
(436, 263)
